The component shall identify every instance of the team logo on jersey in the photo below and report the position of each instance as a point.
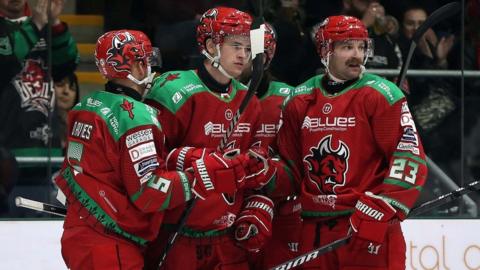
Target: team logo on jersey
(228, 114)
(327, 108)
(327, 167)
(170, 77)
(34, 90)
(128, 106)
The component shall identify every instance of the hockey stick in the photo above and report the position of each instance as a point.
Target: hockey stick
(424, 207)
(257, 33)
(40, 206)
(438, 15)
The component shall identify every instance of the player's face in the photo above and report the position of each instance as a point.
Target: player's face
(412, 19)
(347, 58)
(235, 54)
(65, 94)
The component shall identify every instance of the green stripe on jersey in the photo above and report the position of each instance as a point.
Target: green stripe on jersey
(388, 89)
(95, 210)
(115, 110)
(174, 88)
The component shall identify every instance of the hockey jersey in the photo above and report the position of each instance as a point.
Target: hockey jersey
(27, 94)
(342, 145)
(271, 102)
(193, 115)
(112, 175)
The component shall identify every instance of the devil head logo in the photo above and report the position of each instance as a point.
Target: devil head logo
(34, 74)
(122, 49)
(327, 167)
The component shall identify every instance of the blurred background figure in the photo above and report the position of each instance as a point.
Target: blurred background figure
(27, 90)
(67, 95)
(381, 29)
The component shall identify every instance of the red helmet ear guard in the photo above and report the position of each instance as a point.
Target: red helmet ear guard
(270, 43)
(340, 28)
(216, 23)
(116, 51)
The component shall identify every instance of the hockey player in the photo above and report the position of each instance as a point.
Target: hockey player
(350, 137)
(280, 243)
(197, 107)
(113, 176)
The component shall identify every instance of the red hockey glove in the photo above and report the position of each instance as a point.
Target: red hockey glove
(254, 225)
(181, 158)
(260, 168)
(371, 217)
(215, 173)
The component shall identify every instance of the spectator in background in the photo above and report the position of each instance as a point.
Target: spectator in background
(26, 90)
(67, 95)
(295, 59)
(387, 52)
(27, 93)
(432, 100)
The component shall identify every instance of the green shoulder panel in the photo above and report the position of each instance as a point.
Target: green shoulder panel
(172, 89)
(279, 89)
(120, 113)
(388, 89)
(305, 88)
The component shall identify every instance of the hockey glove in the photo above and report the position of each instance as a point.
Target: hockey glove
(215, 173)
(260, 168)
(181, 158)
(371, 218)
(254, 225)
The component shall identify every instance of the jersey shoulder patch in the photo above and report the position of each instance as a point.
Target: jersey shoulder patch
(172, 89)
(120, 113)
(388, 89)
(304, 89)
(279, 89)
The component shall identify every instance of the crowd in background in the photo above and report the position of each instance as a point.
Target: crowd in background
(440, 108)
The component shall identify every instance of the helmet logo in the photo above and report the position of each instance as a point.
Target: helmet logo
(211, 14)
(327, 167)
(116, 55)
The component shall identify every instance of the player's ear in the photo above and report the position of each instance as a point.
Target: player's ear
(211, 47)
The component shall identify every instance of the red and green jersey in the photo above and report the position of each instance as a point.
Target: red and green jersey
(193, 115)
(112, 174)
(271, 104)
(360, 139)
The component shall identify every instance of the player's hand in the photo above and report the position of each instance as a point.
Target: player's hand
(371, 218)
(260, 168)
(181, 158)
(217, 173)
(254, 225)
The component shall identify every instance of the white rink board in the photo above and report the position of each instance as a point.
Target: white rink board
(447, 244)
(431, 244)
(31, 245)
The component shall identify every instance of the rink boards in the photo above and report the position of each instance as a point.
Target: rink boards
(431, 244)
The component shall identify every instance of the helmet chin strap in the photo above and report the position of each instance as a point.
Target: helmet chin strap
(216, 61)
(147, 81)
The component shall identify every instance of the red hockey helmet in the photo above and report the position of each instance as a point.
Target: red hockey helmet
(270, 43)
(219, 22)
(117, 50)
(339, 28)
